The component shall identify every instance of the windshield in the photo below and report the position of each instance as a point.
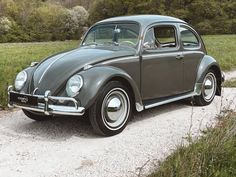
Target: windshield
(113, 34)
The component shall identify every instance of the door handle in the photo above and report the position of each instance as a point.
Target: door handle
(179, 57)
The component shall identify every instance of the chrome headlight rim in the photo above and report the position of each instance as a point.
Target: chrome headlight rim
(18, 87)
(69, 91)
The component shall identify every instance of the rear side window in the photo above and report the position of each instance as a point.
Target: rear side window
(188, 38)
(161, 37)
(165, 36)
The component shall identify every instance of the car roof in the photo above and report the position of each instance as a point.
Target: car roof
(144, 20)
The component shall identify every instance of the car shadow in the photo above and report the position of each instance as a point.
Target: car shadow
(150, 113)
(63, 128)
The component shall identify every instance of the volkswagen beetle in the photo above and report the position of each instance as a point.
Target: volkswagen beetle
(123, 64)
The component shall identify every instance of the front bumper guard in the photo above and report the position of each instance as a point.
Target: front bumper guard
(46, 107)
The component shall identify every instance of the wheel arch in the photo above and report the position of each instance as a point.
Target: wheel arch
(126, 83)
(209, 63)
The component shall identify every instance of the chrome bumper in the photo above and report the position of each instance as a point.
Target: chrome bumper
(46, 107)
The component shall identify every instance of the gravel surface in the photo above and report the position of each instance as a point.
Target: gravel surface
(67, 147)
(230, 75)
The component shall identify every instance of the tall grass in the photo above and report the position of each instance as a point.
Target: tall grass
(213, 155)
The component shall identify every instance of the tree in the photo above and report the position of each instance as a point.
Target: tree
(209, 17)
(46, 22)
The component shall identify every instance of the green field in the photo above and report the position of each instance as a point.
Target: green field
(15, 57)
(222, 48)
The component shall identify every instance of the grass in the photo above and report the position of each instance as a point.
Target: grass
(17, 56)
(213, 155)
(230, 83)
(223, 48)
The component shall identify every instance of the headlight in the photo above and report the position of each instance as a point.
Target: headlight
(74, 85)
(20, 80)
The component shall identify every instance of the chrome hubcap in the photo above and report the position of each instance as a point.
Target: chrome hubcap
(209, 87)
(115, 109)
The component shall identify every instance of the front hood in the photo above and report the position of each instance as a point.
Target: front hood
(54, 71)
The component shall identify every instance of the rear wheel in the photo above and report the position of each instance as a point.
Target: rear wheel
(111, 111)
(36, 116)
(208, 90)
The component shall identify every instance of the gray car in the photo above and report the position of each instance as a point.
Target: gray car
(123, 64)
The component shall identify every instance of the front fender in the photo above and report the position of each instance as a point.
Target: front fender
(96, 77)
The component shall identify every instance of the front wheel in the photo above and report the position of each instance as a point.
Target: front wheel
(111, 111)
(208, 90)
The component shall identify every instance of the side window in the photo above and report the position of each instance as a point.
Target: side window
(160, 37)
(165, 36)
(188, 38)
(149, 41)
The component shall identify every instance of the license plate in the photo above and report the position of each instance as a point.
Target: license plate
(23, 99)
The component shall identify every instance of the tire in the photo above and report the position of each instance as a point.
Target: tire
(36, 116)
(208, 90)
(112, 109)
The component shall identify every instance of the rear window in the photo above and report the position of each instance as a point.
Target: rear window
(188, 38)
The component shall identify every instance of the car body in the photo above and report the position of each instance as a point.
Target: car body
(123, 63)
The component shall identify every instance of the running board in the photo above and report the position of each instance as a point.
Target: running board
(171, 100)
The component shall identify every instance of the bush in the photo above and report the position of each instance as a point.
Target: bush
(75, 21)
(46, 23)
(26, 21)
(10, 31)
(5, 25)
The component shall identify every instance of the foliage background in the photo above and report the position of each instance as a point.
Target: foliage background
(50, 20)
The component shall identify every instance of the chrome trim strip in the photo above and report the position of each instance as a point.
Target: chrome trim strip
(47, 108)
(197, 91)
(170, 100)
(191, 52)
(120, 59)
(150, 56)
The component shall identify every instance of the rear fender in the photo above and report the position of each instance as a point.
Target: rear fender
(209, 63)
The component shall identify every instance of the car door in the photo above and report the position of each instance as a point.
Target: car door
(193, 52)
(162, 62)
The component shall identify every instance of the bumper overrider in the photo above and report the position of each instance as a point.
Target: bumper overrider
(31, 103)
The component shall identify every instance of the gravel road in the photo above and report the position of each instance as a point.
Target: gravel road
(67, 147)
